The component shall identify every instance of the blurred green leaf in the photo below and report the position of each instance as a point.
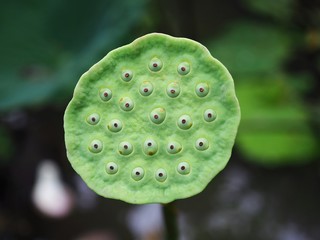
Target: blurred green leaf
(47, 45)
(278, 9)
(252, 48)
(274, 128)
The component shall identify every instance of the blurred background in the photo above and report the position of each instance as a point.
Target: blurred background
(270, 190)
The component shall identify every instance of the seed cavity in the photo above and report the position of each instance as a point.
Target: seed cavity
(173, 89)
(183, 68)
(183, 168)
(95, 146)
(115, 125)
(157, 115)
(137, 173)
(93, 118)
(150, 147)
(185, 122)
(126, 104)
(209, 115)
(126, 75)
(173, 147)
(146, 88)
(202, 144)
(161, 175)
(202, 89)
(105, 94)
(111, 168)
(125, 148)
(155, 65)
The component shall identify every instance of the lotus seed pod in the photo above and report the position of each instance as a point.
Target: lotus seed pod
(168, 118)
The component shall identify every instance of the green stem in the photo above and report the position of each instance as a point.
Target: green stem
(170, 219)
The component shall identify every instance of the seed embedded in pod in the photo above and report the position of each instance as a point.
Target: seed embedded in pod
(111, 168)
(150, 147)
(157, 115)
(185, 122)
(209, 115)
(173, 89)
(93, 118)
(155, 65)
(126, 75)
(126, 104)
(96, 146)
(183, 68)
(202, 144)
(146, 88)
(161, 175)
(183, 168)
(174, 147)
(115, 125)
(105, 94)
(125, 148)
(202, 89)
(137, 173)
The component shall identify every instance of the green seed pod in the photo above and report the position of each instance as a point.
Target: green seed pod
(137, 173)
(150, 147)
(146, 88)
(202, 89)
(191, 132)
(126, 104)
(115, 125)
(112, 168)
(155, 65)
(105, 94)
(161, 175)
(126, 75)
(209, 115)
(125, 148)
(158, 115)
(93, 118)
(184, 68)
(183, 168)
(174, 147)
(96, 146)
(202, 144)
(173, 89)
(185, 122)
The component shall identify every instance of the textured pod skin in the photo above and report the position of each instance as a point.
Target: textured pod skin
(137, 127)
